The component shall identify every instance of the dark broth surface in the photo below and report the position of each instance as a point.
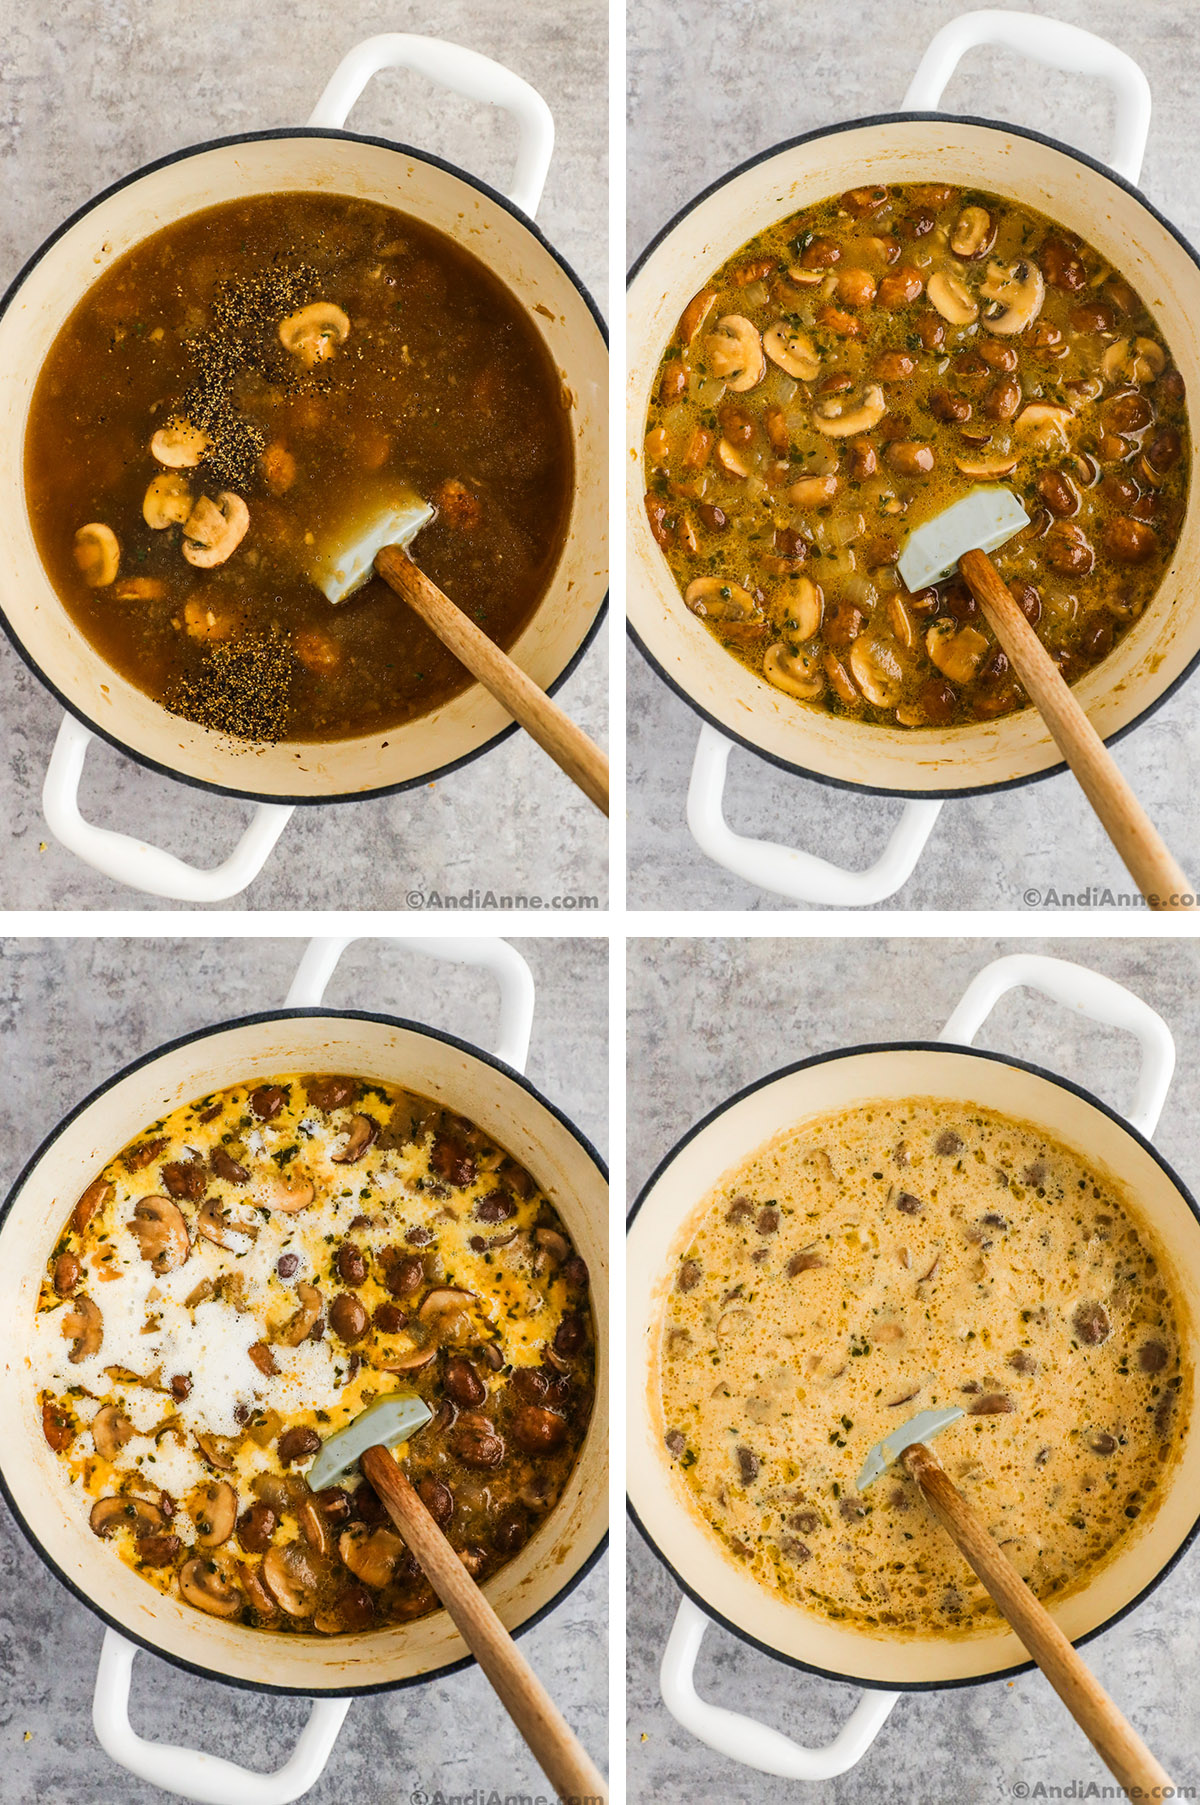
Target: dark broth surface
(857, 368)
(442, 382)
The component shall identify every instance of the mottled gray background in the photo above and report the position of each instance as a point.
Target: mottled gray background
(706, 1018)
(91, 89)
(71, 1013)
(712, 85)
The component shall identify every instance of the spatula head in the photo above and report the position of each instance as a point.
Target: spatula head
(344, 558)
(387, 1422)
(922, 1427)
(980, 522)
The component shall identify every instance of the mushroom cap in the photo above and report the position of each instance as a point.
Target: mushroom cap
(98, 554)
(83, 1324)
(212, 1221)
(372, 1557)
(203, 1584)
(841, 416)
(878, 669)
(179, 445)
(363, 1132)
(213, 530)
(313, 333)
(952, 298)
(296, 1328)
(974, 233)
(1016, 292)
(161, 1233)
(124, 1511)
(213, 1506)
(716, 598)
(111, 1429)
(797, 673)
(167, 501)
(291, 1579)
(792, 350)
(735, 353)
(287, 1195)
(799, 604)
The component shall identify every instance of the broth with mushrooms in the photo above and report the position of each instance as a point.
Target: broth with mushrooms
(246, 381)
(863, 1266)
(247, 1276)
(851, 372)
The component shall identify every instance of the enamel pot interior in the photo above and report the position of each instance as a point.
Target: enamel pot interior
(252, 1050)
(1031, 171)
(661, 1230)
(320, 162)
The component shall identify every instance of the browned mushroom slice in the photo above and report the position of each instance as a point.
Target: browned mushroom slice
(84, 1325)
(255, 1591)
(218, 1450)
(67, 1274)
(212, 1507)
(287, 1195)
(445, 1310)
(161, 1233)
(405, 1358)
(215, 1224)
(371, 1556)
(362, 1134)
(98, 1193)
(556, 1245)
(260, 1353)
(111, 1429)
(291, 1579)
(225, 1166)
(314, 1527)
(203, 1584)
(136, 1514)
(299, 1324)
(58, 1425)
(352, 1609)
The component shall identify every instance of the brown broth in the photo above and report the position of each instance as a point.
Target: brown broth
(783, 526)
(443, 380)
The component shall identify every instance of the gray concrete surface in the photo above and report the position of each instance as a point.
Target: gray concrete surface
(708, 87)
(71, 1013)
(706, 1017)
(90, 89)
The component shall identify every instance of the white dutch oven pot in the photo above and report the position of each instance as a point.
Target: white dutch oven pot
(325, 159)
(302, 1036)
(714, 1589)
(1100, 203)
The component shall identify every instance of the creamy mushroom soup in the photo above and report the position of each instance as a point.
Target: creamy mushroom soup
(865, 1266)
(253, 379)
(244, 1279)
(857, 368)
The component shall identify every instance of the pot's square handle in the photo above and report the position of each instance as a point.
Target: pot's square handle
(466, 72)
(1091, 994)
(128, 860)
(747, 1740)
(1060, 46)
(190, 1773)
(488, 953)
(785, 870)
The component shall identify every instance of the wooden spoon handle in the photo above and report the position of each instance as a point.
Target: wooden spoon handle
(1111, 1735)
(563, 1759)
(555, 732)
(1122, 816)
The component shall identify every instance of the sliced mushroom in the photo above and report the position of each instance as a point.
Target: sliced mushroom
(797, 673)
(167, 502)
(716, 598)
(99, 1193)
(161, 1233)
(798, 604)
(406, 1359)
(952, 298)
(203, 1584)
(217, 1451)
(290, 1577)
(212, 1221)
(58, 1426)
(126, 1512)
(792, 350)
(974, 233)
(987, 469)
(1016, 292)
(363, 1132)
(179, 445)
(877, 669)
(212, 1507)
(314, 333)
(255, 1591)
(1043, 420)
(1133, 360)
(296, 1328)
(287, 1195)
(841, 416)
(371, 1556)
(315, 1528)
(84, 1325)
(729, 460)
(813, 491)
(111, 1429)
(97, 554)
(957, 651)
(213, 530)
(735, 353)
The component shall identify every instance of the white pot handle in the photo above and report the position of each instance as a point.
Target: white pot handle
(499, 957)
(191, 1774)
(1057, 44)
(135, 862)
(747, 1740)
(784, 870)
(1092, 994)
(466, 72)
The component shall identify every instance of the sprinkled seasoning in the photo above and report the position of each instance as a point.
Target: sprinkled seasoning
(241, 688)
